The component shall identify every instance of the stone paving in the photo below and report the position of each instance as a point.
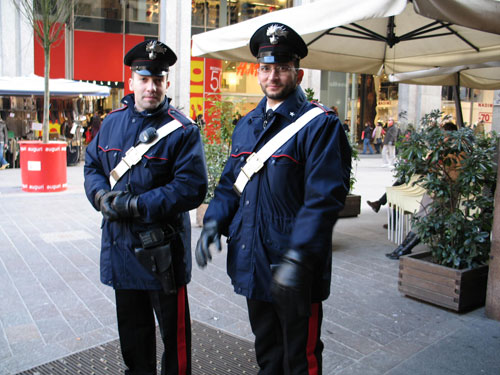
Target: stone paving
(53, 305)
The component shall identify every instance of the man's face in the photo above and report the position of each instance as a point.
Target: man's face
(279, 80)
(149, 91)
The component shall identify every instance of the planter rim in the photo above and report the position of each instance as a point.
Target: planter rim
(427, 254)
(41, 143)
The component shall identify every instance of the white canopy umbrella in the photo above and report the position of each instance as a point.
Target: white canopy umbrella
(34, 85)
(485, 76)
(374, 36)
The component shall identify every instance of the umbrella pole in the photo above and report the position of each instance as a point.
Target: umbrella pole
(458, 104)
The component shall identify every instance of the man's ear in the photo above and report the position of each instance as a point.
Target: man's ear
(300, 75)
(131, 82)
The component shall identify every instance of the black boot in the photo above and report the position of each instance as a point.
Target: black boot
(408, 243)
(374, 205)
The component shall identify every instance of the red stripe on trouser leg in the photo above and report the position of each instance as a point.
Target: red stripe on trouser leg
(312, 340)
(181, 330)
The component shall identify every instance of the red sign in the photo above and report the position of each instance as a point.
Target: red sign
(196, 88)
(485, 116)
(213, 72)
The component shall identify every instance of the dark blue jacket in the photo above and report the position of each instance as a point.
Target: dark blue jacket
(170, 180)
(292, 202)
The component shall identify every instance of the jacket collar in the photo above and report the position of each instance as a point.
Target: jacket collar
(129, 101)
(289, 109)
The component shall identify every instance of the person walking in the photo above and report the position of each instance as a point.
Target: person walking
(377, 136)
(4, 138)
(95, 124)
(389, 149)
(367, 138)
(345, 125)
(144, 171)
(278, 205)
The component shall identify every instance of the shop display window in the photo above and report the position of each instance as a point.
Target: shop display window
(110, 9)
(239, 83)
(205, 14)
(136, 10)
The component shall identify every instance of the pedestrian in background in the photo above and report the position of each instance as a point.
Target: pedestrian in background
(144, 171)
(377, 136)
(389, 150)
(95, 124)
(4, 139)
(279, 217)
(345, 125)
(367, 138)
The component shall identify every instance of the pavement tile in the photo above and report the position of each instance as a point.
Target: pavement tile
(31, 356)
(382, 360)
(56, 305)
(339, 348)
(20, 334)
(90, 339)
(362, 327)
(103, 309)
(5, 351)
(43, 310)
(361, 344)
(81, 320)
(333, 362)
(360, 369)
(404, 346)
(54, 329)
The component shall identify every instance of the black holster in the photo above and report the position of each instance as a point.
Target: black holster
(156, 256)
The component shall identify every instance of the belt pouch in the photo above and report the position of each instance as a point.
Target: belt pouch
(157, 259)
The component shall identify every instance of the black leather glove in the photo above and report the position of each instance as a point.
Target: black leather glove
(209, 234)
(125, 205)
(291, 285)
(103, 200)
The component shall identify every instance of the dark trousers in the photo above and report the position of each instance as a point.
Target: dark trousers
(136, 327)
(282, 347)
(383, 198)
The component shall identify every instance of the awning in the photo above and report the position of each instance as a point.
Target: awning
(374, 36)
(34, 85)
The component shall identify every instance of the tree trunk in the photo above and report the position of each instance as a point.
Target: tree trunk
(46, 96)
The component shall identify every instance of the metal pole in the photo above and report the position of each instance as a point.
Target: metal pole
(354, 109)
(458, 105)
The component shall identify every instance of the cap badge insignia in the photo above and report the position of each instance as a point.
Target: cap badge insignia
(154, 48)
(274, 32)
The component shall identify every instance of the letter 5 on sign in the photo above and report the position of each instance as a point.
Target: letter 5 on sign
(34, 166)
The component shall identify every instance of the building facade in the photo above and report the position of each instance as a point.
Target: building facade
(103, 30)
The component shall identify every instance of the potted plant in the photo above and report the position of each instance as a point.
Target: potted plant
(459, 176)
(352, 206)
(216, 136)
(43, 164)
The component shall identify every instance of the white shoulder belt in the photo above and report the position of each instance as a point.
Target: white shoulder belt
(134, 154)
(256, 160)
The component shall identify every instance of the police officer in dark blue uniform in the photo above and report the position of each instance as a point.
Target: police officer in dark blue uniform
(279, 223)
(144, 171)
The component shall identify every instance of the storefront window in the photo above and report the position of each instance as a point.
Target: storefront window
(143, 10)
(110, 9)
(136, 10)
(387, 100)
(206, 14)
(477, 105)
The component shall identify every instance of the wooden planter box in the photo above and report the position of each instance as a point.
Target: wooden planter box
(352, 206)
(458, 290)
